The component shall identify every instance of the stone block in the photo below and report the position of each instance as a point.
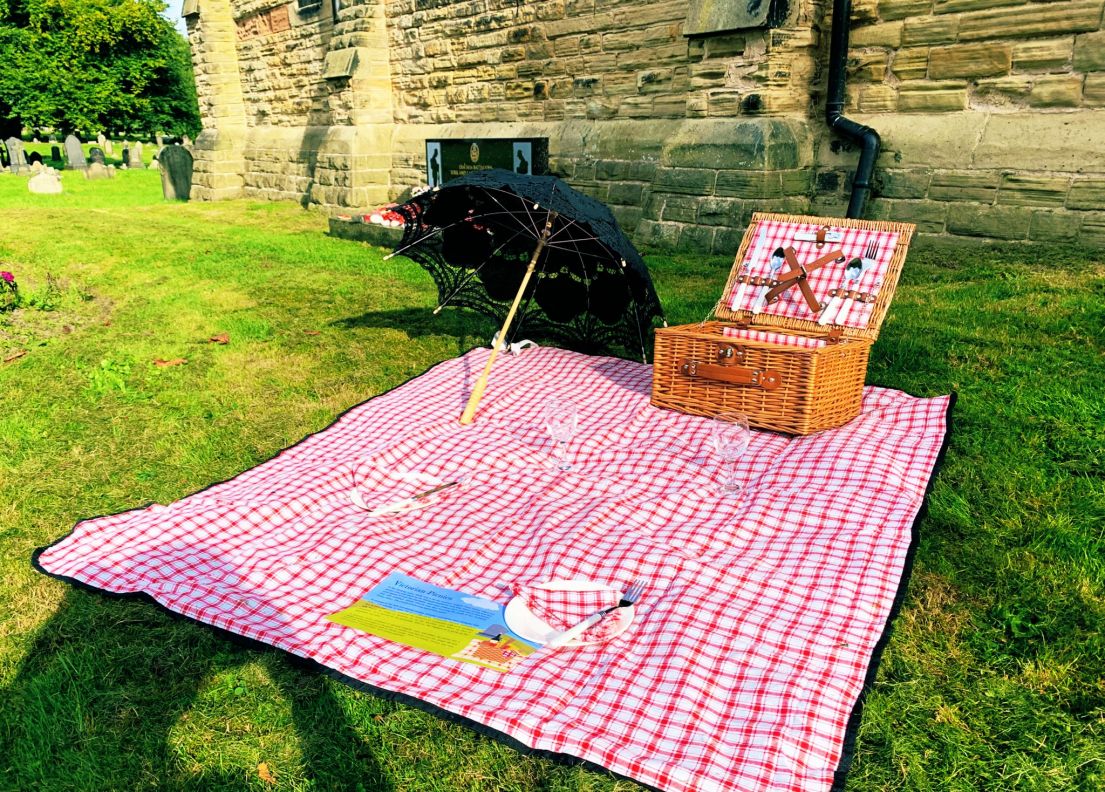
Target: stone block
(959, 6)
(662, 236)
(877, 99)
(1086, 194)
(752, 144)
(886, 34)
(928, 216)
(932, 97)
(719, 211)
(901, 9)
(930, 30)
(1093, 92)
(1093, 229)
(724, 103)
(680, 209)
(628, 217)
(796, 182)
(1055, 226)
(868, 66)
(1089, 52)
(895, 183)
(626, 193)
(1045, 54)
(1011, 85)
(699, 239)
(1028, 190)
(749, 184)
(728, 240)
(970, 60)
(964, 185)
(910, 63)
(999, 222)
(1056, 90)
(1037, 19)
(692, 181)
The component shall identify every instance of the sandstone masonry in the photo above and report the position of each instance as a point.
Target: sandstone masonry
(992, 112)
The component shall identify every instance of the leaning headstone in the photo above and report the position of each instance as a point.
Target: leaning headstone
(96, 154)
(97, 170)
(176, 172)
(109, 147)
(15, 153)
(55, 153)
(74, 154)
(46, 183)
(135, 160)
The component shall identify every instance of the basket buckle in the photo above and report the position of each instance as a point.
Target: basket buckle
(727, 354)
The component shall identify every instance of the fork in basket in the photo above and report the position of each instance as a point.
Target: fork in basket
(631, 595)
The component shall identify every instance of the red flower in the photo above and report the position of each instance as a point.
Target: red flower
(8, 277)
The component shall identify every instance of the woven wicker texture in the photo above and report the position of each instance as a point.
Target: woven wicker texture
(786, 373)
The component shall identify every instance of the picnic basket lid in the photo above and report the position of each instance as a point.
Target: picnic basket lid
(873, 253)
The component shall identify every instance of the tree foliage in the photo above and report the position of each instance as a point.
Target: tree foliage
(92, 65)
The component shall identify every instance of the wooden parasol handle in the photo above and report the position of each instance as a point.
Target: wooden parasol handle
(469, 413)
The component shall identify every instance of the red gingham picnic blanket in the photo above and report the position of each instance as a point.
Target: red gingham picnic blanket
(750, 643)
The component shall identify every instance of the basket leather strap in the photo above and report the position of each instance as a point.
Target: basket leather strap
(768, 379)
(798, 275)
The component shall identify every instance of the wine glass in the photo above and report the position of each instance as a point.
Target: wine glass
(561, 419)
(729, 439)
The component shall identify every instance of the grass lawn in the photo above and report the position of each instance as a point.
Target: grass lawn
(995, 676)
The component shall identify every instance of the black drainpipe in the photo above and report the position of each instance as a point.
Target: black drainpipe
(865, 136)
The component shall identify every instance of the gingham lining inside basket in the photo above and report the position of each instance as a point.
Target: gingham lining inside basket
(750, 646)
(771, 235)
(770, 337)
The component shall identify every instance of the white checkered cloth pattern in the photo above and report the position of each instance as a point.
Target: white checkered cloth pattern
(772, 234)
(752, 637)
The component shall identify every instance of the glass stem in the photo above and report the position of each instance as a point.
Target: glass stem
(562, 454)
(731, 476)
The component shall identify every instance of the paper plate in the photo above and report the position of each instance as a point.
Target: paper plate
(525, 624)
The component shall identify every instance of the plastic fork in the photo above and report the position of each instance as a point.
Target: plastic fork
(631, 595)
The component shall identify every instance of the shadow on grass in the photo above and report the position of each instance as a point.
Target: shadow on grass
(468, 328)
(106, 682)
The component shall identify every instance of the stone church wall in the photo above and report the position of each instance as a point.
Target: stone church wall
(992, 112)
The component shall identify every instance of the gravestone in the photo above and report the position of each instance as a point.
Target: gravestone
(176, 172)
(135, 160)
(125, 154)
(101, 139)
(34, 159)
(109, 147)
(154, 164)
(74, 154)
(186, 141)
(97, 170)
(160, 140)
(48, 182)
(55, 153)
(96, 154)
(15, 153)
(4, 157)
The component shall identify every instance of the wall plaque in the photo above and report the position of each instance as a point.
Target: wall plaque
(447, 159)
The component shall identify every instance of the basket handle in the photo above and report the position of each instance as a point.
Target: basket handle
(768, 379)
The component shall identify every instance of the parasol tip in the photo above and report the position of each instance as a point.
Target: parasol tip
(438, 309)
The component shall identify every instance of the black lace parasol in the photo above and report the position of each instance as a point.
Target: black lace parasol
(477, 236)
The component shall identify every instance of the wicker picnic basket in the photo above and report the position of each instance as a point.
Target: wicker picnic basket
(769, 354)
